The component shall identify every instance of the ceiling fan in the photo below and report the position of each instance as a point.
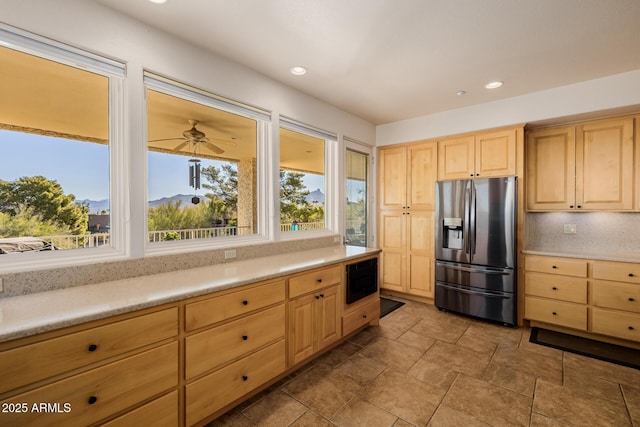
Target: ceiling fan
(195, 137)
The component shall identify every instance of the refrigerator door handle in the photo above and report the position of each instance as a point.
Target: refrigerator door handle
(472, 292)
(476, 270)
(472, 219)
(466, 227)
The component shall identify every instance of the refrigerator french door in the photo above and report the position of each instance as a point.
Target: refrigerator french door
(475, 236)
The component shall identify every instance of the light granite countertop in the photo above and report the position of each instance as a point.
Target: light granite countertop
(26, 315)
(585, 254)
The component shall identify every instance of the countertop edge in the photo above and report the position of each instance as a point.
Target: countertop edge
(17, 319)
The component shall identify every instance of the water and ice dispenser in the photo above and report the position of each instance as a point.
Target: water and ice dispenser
(452, 233)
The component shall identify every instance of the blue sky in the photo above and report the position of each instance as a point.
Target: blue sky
(82, 168)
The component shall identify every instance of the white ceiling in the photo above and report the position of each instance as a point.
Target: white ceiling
(389, 60)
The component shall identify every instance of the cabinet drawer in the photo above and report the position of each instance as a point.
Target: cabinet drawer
(209, 349)
(318, 279)
(554, 265)
(161, 412)
(30, 363)
(616, 324)
(101, 392)
(218, 389)
(556, 312)
(621, 296)
(217, 309)
(564, 288)
(368, 312)
(617, 271)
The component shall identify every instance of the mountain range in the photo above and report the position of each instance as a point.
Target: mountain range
(97, 206)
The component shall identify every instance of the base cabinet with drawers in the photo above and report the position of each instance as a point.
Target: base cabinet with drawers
(183, 363)
(598, 297)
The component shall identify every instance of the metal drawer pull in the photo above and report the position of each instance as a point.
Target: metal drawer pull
(319, 280)
(321, 295)
(92, 347)
(317, 296)
(631, 299)
(245, 302)
(244, 378)
(554, 288)
(245, 337)
(631, 328)
(554, 313)
(630, 274)
(553, 266)
(92, 400)
(364, 315)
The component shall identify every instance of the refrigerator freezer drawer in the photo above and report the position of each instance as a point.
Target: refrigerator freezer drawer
(489, 278)
(496, 306)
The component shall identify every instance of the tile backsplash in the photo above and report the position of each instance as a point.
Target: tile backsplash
(28, 282)
(599, 232)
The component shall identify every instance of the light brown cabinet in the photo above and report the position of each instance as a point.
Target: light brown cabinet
(483, 155)
(585, 167)
(99, 371)
(407, 186)
(600, 297)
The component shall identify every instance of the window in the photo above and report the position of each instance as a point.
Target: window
(356, 224)
(56, 146)
(202, 165)
(302, 181)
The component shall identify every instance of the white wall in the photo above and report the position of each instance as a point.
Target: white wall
(612, 93)
(91, 26)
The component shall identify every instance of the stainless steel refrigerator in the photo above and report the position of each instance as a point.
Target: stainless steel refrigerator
(476, 248)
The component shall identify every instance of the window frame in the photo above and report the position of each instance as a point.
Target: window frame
(115, 71)
(172, 87)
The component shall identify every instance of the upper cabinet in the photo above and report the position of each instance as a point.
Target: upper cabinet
(586, 167)
(408, 176)
(481, 155)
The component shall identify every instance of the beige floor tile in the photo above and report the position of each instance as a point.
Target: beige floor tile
(402, 423)
(449, 330)
(360, 413)
(366, 336)
(433, 373)
(632, 400)
(309, 419)
(322, 389)
(393, 354)
(492, 404)
(418, 341)
(584, 382)
(404, 396)
(498, 334)
(338, 355)
(232, 419)
(448, 417)
(477, 343)
(275, 409)
(458, 358)
(538, 348)
(397, 323)
(566, 406)
(546, 368)
(601, 369)
(538, 420)
(362, 369)
(510, 379)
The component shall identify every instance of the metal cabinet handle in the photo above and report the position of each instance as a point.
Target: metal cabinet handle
(244, 378)
(364, 315)
(245, 302)
(631, 328)
(630, 274)
(92, 347)
(553, 266)
(92, 400)
(245, 337)
(554, 288)
(631, 299)
(554, 313)
(319, 280)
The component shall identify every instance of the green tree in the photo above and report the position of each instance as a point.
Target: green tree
(222, 184)
(25, 222)
(294, 205)
(44, 199)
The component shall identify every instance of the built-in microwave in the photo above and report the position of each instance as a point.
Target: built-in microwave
(362, 279)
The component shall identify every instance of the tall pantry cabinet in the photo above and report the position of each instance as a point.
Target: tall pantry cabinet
(407, 176)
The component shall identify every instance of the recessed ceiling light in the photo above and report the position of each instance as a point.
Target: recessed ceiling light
(461, 92)
(158, 1)
(298, 70)
(493, 85)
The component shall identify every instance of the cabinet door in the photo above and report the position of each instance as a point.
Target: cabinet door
(604, 165)
(420, 253)
(456, 158)
(329, 326)
(496, 154)
(392, 241)
(301, 328)
(423, 173)
(551, 169)
(393, 178)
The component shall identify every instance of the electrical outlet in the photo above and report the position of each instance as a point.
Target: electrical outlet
(230, 254)
(569, 229)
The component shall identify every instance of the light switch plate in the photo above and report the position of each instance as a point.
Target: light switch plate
(569, 229)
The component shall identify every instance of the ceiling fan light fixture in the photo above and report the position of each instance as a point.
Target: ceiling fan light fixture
(461, 92)
(493, 85)
(298, 70)
(158, 1)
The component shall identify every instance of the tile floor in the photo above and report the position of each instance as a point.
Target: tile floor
(423, 367)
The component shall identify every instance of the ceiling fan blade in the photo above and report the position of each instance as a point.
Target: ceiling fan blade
(220, 141)
(214, 148)
(181, 146)
(167, 139)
